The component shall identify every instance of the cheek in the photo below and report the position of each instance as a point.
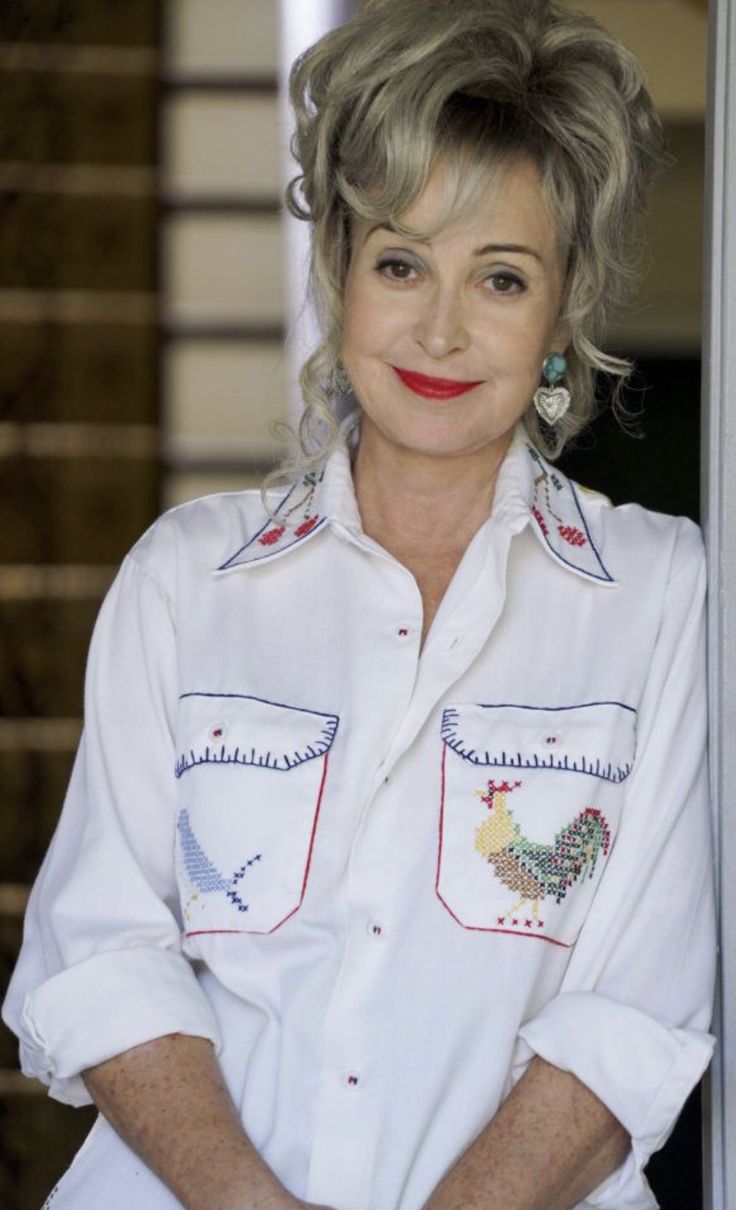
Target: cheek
(367, 328)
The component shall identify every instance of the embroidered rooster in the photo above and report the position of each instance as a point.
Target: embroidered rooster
(532, 870)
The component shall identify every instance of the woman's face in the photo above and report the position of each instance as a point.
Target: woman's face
(477, 304)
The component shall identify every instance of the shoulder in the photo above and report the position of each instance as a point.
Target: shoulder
(197, 536)
(634, 540)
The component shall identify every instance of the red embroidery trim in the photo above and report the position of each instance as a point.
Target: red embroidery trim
(308, 866)
(540, 521)
(272, 535)
(572, 535)
(307, 524)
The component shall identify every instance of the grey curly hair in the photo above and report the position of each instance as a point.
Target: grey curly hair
(381, 99)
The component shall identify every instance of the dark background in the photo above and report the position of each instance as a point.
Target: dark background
(659, 468)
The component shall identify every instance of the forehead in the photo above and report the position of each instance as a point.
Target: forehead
(508, 205)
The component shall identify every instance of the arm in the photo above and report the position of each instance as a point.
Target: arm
(168, 1101)
(615, 1053)
(551, 1143)
(101, 928)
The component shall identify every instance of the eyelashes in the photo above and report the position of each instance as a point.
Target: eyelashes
(508, 279)
(399, 269)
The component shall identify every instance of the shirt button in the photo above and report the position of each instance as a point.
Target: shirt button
(403, 632)
(352, 1079)
(552, 741)
(375, 929)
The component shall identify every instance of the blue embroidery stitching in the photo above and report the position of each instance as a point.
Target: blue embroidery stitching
(202, 873)
(517, 760)
(551, 709)
(280, 762)
(249, 697)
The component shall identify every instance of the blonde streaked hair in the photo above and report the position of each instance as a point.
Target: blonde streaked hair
(407, 83)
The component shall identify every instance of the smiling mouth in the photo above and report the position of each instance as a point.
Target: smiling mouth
(434, 388)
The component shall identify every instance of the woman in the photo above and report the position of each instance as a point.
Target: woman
(384, 877)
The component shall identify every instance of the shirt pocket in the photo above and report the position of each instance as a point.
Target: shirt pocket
(530, 805)
(251, 776)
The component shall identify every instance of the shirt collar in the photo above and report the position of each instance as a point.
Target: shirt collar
(552, 506)
(528, 488)
(319, 496)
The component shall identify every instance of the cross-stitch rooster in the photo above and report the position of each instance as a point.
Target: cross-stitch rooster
(532, 870)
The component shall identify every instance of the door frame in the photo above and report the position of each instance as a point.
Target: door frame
(718, 481)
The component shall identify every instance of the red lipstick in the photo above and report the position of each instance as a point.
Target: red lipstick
(434, 388)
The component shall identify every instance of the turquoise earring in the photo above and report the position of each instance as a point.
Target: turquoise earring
(552, 401)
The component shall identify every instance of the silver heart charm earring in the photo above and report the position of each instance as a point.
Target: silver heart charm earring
(553, 401)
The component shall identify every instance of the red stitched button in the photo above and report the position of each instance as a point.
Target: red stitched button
(403, 632)
(353, 1079)
(375, 929)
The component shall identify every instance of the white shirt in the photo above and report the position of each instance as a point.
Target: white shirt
(380, 880)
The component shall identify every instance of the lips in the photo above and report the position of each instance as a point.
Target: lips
(434, 388)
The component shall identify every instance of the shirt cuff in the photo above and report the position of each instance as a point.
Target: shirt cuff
(104, 1006)
(642, 1070)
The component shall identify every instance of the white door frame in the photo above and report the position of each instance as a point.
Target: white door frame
(301, 23)
(719, 520)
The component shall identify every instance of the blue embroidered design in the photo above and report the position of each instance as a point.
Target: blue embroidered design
(202, 873)
(246, 753)
(546, 709)
(532, 760)
(281, 762)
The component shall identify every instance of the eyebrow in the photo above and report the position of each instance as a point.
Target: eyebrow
(523, 248)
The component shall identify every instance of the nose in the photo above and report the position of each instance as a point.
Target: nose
(440, 328)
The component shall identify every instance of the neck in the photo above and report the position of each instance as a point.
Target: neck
(415, 501)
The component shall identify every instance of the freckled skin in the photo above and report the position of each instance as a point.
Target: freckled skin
(169, 1102)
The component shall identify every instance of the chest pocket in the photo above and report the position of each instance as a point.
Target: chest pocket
(251, 776)
(530, 805)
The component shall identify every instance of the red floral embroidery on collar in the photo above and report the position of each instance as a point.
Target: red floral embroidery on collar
(272, 535)
(307, 524)
(572, 535)
(543, 482)
(536, 513)
(302, 504)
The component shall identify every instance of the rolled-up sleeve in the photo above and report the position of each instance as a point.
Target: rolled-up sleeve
(101, 968)
(632, 1015)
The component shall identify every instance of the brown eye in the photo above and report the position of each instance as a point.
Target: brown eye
(506, 283)
(395, 269)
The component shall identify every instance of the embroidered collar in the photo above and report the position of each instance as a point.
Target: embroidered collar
(296, 518)
(558, 519)
(527, 483)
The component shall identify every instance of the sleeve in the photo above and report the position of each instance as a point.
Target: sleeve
(631, 1018)
(101, 968)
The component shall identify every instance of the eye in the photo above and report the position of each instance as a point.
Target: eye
(395, 268)
(504, 282)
